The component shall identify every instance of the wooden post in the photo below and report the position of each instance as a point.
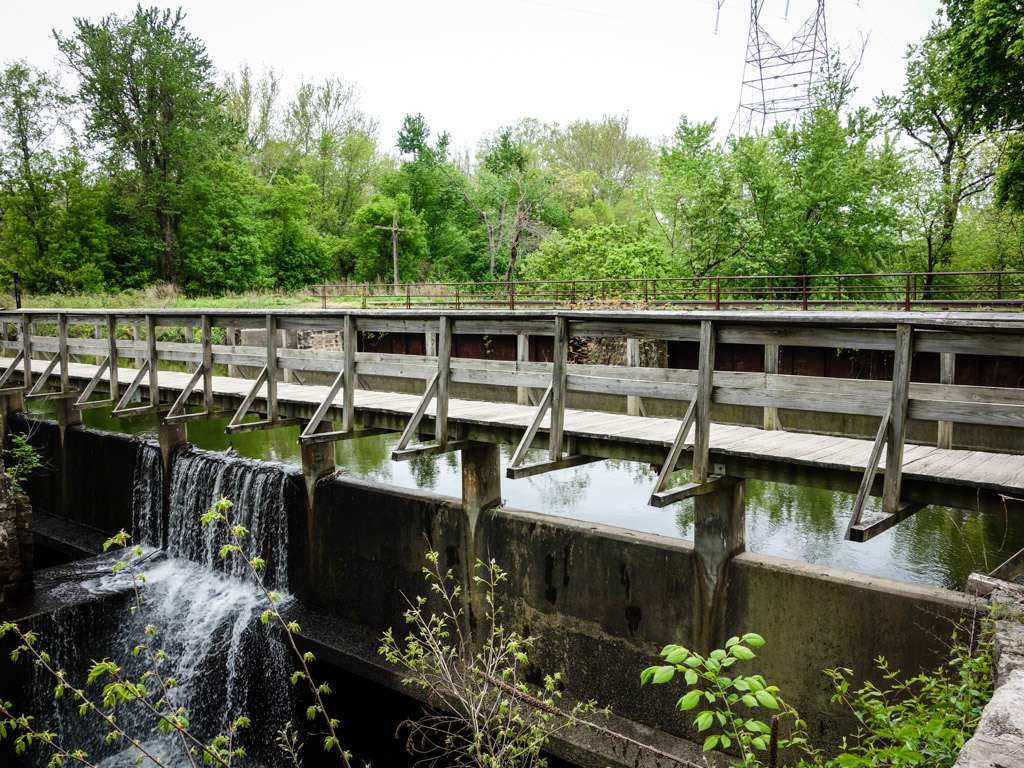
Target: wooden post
(26, 350)
(898, 420)
(206, 340)
(947, 375)
(271, 367)
(523, 356)
(112, 354)
(234, 338)
(430, 344)
(705, 381)
(719, 535)
(62, 351)
(349, 379)
(633, 406)
(151, 355)
(558, 374)
(444, 362)
(771, 367)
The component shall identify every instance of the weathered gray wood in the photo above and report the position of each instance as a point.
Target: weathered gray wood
(37, 390)
(407, 454)
(672, 460)
(312, 428)
(421, 408)
(897, 418)
(177, 413)
(248, 400)
(152, 361)
(271, 367)
(206, 342)
(543, 467)
(112, 355)
(867, 530)
(771, 367)
(90, 387)
(444, 374)
(702, 414)
(870, 470)
(122, 409)
(531, 431)
(559, 361)
(348, 341)
(62, 351)
(12, 366)
(26, 351)
(947, 375)
(634, 405)
(522, 356)
(685, 491)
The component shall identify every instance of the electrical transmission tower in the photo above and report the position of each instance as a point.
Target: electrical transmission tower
(781, 81)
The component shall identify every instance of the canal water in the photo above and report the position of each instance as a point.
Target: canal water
(937, 546)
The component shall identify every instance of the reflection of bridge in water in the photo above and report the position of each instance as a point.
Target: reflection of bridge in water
(561, 414)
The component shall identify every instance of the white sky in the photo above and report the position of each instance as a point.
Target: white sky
(471, 66)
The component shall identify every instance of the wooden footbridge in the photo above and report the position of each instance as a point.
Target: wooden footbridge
(78, 358)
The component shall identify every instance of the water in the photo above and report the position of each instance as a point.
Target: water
(938, 546)
(205, 611)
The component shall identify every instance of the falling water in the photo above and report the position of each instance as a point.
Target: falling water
(259, 493)
(148, 495)
(205, 612)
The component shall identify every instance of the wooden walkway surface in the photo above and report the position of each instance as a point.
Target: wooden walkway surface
(996, 472)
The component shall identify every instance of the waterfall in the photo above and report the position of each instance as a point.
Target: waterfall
(205, 611)
(148, 495)
(259, 492)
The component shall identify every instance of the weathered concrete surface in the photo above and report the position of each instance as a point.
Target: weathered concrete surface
(16, 564)
(998, 741)
(604, 601)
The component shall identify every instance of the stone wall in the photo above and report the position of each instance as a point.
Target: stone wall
(15, 542)
(998, 741)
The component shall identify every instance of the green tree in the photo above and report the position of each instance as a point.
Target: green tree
(147, 86)
(297, 253)
(369, 244)
(602, 252)
(221, 242)
(956, 166)
(987, 65)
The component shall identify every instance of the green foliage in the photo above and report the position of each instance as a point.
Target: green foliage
(601, 252)
(483, 712)
(21, 461)
(919, 721)
(731, 704)
(368, 247)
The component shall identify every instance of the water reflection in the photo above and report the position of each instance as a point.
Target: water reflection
(937, 546)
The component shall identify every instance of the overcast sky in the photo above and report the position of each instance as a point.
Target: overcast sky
(472, 66)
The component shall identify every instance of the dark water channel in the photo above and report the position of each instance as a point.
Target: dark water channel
(937, 546)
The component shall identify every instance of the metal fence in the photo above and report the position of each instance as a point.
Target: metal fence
(869, 290)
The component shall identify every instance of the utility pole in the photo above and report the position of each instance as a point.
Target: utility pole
(394, 229)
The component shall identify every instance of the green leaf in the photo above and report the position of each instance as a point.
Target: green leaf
(704, 720)
(742, 653)
(766, 699)
(691, 677)
(689, 700)
(753, 639)
(710, 743)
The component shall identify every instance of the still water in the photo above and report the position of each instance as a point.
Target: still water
(937, 546)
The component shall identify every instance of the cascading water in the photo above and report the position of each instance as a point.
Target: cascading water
(205, 611)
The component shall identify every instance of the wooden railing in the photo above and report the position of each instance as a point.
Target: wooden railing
(871, 290)
(198, 339)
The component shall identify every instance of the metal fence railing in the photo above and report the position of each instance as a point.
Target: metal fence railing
(869, 290)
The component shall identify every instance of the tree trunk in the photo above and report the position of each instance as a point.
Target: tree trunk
(169, 234)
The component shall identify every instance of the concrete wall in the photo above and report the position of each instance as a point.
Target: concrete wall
(604, 600)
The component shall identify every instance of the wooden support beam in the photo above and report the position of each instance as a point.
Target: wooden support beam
(121, 409)
(206, 341)
(112, 355)
(444, 375)
(685, 491)
(868, 529)
(672, 460)
(271, 372)
(349, 341)
(1011, 569)
(432, 449)
(531, 431)
(10, 369)
(83, 399)
(152, 363)
(177, 412)
(522, 356)
(417, 415)
(312, 428)
(541, 467)
(26, 351)
(947, 375)
(352, 434)
(559, 361)
(62, 352)
(771, 367)
(702, 415)
(868, 479)
(897, 419)
(37, 390)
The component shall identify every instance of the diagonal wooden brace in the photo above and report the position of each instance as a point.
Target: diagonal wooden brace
(83, 400)
(870, 470)
(37, 389)
(11, 367)
(177, 412)
(660, 496)
(310, 435)
(122, 409)
(531, 432)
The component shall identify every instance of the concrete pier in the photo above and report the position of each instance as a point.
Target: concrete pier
(719, 535)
